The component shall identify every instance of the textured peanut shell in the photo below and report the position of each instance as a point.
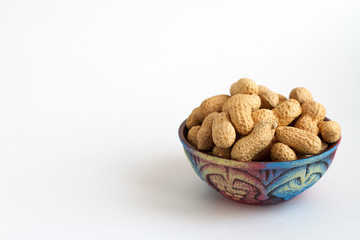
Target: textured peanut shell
(330, 131)
(192, 119)
(281, 152)
(262, 114)
(240, 115)
(264, 155)
(306, 123)
(315, 110)
(312, 114)
(248, 147)
(269, 99)
(244, 85)
(221, 152)
(191, 137)
(204, 137)
(301, 94)
(287, 111)
(253, 100)
(223, 131)
(212, 104)
(323, 148)
(282, 98)
(302, 141)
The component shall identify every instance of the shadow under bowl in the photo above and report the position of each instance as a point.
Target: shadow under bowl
(257, 183)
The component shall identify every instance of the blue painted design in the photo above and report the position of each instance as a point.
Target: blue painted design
(296, 180)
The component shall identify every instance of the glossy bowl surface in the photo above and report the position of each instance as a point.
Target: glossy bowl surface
(257, 183)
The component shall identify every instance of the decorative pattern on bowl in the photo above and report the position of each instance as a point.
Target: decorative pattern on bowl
(257, 183)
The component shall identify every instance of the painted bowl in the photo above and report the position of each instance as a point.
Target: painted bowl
(257, 183)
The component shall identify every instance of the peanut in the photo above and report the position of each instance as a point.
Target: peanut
(281, 152)
(312, 114)
(221, 152)
(302, 141)
(240, 114)
(244, 85)
(269, 99)
(223, 132)
(262, 114)
(247, 147)
(282, 98)
(191, 137)
(212, 104)
(287, 111)
(204, 137)
(253, 100)
(264, 155)
(301, 94)
(192, 119)
(330, 131)
(323, 148)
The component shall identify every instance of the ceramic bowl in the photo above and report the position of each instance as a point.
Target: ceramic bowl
(257, 183)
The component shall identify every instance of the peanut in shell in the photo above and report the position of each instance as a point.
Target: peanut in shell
(212, 104)
(223, 131)
(302, 141)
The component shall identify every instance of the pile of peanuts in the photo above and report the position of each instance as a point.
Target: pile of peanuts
(257, 124)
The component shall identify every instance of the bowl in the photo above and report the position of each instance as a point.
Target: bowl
(257, 183)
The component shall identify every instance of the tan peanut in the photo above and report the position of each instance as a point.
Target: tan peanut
(264, 155)
(192, 119)
(312, 114)
(212, 104)
(191, 137)
(223, 131)
(253, 100)
(244, 85)
(302, 141)
(221, 152)
(240, 115)
(323, 148)
(301, 94)
(330, 131)
(204, 137)
(281, 152)
(287, 111)
(262, 114)
(269, 99)
(247, 147)
(282, 98)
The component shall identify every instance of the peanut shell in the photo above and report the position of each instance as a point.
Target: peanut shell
(221, 152)
(253, 100)
(223, 131)
(269, 99)
(240, 114)
(330, 131)
(281, 152)
(302, 141)
(287, 111)
(301, 94)
(244, 85)
(192, 119)
(191, 137)
(248, 147)
(212, 104)
(204, 137)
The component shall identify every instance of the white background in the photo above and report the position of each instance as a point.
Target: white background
(92, 94)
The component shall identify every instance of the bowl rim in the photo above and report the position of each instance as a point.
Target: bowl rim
(232, 162)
